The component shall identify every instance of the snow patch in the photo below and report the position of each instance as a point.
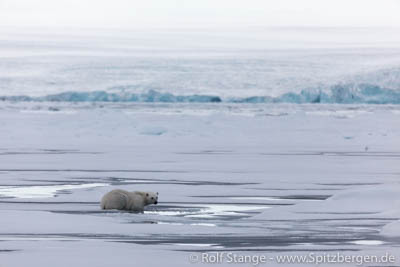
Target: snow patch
(368, 242)
(41, 191)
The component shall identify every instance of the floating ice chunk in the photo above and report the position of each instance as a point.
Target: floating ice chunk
(204, 224)
(367, 242)
(212, 210)
(209, 210)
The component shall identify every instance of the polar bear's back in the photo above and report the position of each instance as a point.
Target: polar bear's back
(115, 199)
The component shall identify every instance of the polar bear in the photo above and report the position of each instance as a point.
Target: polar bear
(123, 200)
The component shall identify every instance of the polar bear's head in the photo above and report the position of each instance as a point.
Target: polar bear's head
(151, 198)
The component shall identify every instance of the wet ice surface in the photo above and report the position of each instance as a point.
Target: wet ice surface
(230, 178)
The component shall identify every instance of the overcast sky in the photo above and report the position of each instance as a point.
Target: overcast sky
(198, 13)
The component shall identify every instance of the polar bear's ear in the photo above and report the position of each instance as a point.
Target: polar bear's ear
(147, 194)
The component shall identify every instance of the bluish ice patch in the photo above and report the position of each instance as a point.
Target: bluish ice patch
(336, 94)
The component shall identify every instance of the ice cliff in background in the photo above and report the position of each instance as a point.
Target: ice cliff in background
(340, 94)
(274, 65)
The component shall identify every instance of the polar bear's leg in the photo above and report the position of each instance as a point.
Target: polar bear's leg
(135, 202)
(116, 199)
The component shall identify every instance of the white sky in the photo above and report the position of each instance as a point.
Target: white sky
(198, 13)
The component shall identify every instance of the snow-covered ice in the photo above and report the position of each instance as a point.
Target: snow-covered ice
(40, 191)
(260, 141)
(231, 178)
